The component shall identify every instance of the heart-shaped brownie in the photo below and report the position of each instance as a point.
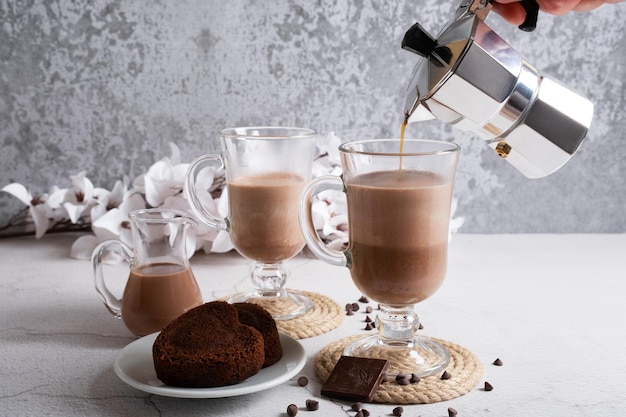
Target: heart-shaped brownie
(207, 347)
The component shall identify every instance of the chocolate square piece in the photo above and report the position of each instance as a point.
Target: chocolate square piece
(355, 379)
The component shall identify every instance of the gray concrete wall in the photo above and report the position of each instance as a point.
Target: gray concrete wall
(104, 86)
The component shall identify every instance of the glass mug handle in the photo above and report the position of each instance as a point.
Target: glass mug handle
(313, 240)
(191, 179)
(112, 303)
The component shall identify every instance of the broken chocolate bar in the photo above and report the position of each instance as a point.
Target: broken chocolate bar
(355, 379)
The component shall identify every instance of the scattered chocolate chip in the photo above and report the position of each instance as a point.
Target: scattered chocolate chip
(349, 313)
(420, 327)
(303, 381)
(488, 386)
(356, 407)
(363, 299)
(312, 405)
(378, 306)
(368, 319)
(369, 326)
(349, 307)
(446, 375)
(497, 362)
(403, 381)
(355, 307)
(414, 379)
(452, 412)
(292, 410)
(369, 309)
(355, 378)
(398, 411)
(359, 414)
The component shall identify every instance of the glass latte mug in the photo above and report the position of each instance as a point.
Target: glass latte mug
(266, 170)
(161, 285)
(398, 220)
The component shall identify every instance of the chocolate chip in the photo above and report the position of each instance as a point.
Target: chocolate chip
(488, 386)
(355, 307)
(292, 410)
(368, 319)
(420, 327)
(369, 309)
(400, 376)
(403, 381)
(312, 405)
(303, 381)
(369, 326)
(356, 407)
(452, 412)
(398, 411)
(497, 362)
(349, 307)
(446, 375)
(363, 299)
(349, 312)
(362, 413)
(415, 379)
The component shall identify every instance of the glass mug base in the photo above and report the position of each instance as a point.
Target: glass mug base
(282, 305)
(419, 355)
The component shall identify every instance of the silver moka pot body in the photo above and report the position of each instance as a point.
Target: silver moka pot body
(469, 77)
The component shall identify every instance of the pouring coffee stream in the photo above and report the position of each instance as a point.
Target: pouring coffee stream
(470, 78)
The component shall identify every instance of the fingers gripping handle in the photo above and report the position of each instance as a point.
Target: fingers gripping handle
(313, 240)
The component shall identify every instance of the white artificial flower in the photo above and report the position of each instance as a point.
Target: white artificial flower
(106, 200)
(79, 198)
(114, 224)
(164, 179)
(37, 208)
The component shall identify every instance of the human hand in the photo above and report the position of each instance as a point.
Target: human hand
(513, 12)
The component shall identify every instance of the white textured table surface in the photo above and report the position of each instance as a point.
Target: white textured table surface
(550, 306)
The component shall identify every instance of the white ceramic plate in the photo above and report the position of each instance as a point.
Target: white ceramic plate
(134, 366)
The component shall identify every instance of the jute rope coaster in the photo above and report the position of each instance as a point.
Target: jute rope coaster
(324, 316)
(464, 367)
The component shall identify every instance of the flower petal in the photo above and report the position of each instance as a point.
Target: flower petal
(41, 220)
(19, 191)
(83, 247)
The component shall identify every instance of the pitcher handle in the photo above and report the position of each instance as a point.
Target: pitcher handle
(195, 202)
(313, 240)
(113, 304)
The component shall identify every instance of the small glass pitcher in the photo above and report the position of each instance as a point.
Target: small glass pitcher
(161, 285)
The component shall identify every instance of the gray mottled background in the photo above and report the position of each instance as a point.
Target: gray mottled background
(104, 86)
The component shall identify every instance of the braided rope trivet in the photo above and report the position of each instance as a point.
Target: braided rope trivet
(324, 316)
(464, 367)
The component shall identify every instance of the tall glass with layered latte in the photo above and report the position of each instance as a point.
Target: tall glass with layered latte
(266, 170)
(398, 220)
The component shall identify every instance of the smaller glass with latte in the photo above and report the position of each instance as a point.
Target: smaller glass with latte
(266, 170)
